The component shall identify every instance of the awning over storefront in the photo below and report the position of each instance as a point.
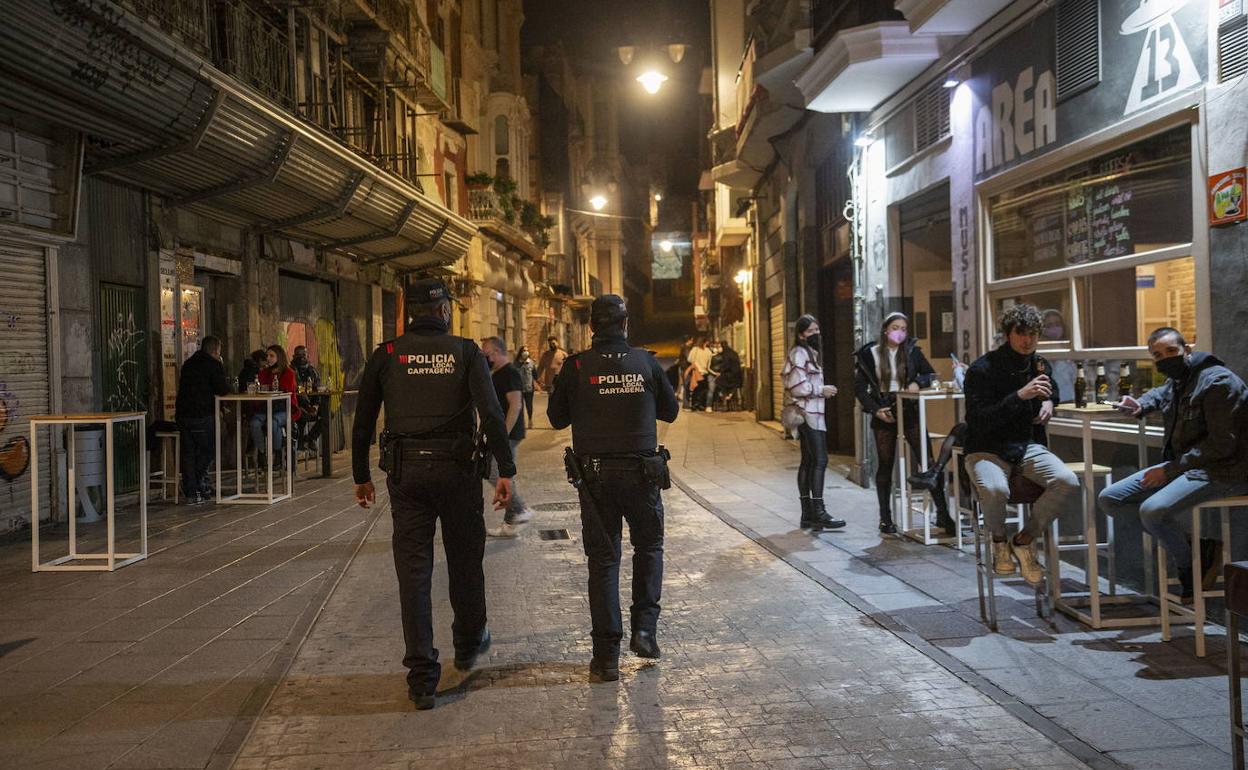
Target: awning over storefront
(164, 120)
(863, 66)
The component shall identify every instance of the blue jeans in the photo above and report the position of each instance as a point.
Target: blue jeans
(1161, 509)
(257, 431)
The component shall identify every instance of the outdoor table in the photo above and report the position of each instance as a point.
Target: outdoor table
(270, 400)
(1073, 605)
(112, 560)
(901, 490)
(324, 414)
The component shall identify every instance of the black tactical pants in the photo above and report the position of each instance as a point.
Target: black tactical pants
(426, 492)
(619, 496)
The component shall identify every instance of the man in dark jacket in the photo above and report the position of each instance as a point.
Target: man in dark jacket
(1205, 457)
(1010, 396)
(202, 380)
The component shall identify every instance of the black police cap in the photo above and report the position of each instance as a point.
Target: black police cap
(427, 291)
(607, 309)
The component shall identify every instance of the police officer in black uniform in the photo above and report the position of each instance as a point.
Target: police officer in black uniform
(611, 395)
(429, 382)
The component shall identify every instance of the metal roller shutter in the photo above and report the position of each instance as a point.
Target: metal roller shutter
(24, 378)
(775, 318)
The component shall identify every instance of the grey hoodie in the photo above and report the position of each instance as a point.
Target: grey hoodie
(1206, 417)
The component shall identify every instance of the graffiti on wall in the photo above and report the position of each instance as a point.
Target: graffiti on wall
(15, 451)
(123, 351)
(114, 53)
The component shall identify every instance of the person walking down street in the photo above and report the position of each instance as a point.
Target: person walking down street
(278, 376)
(429, 382)
(528, 373)
(1010, 397)
(1205, 454)
(611, 395)
(550, 364)
(882, 369)
(202, 380)
(509, 387)
(805, 392)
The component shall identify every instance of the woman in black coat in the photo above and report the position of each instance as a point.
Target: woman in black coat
(881, 369)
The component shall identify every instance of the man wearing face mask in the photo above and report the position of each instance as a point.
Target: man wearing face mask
(1205, 456)
(431, 383)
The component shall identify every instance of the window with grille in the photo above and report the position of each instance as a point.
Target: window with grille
(922, 124)
(1078, 46)
(1233, 49)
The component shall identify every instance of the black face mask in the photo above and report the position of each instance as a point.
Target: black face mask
(814, 341)
(554, 346)
(1174, 367)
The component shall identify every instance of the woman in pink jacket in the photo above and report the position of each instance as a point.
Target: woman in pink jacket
(805, 392)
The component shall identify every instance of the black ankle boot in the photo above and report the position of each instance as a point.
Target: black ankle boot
(887, 527)
(925, 480)
(807, 521)
(946, 522)
(820, 520)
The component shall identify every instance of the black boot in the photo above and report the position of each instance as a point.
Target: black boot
(820, 520)
(943, 519)
(887, 527)
(807, 521)
(925, 480)
(604, 669)
(644, 644)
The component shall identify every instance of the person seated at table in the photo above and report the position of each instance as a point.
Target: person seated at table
(305, 373)
(1205, 454)
(252, 364)
(882, 369)
(277, 374)
(1010, 397)
(202, 379)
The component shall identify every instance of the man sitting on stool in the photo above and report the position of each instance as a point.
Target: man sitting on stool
(1010, 397)
(1205, 455)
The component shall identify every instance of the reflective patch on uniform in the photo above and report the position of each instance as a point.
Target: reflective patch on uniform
(618, 384)
(428, 363)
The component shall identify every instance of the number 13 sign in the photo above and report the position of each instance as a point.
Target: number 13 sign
(1165, 64)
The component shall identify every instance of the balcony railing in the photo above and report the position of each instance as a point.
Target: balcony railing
(249, 47)
(484, 205)
(184, 20)
(395, 14)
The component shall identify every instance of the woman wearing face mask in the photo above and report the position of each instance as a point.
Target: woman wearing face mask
(804, 390)
(1064, 371)
(881, 370)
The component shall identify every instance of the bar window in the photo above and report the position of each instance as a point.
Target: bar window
(1119, 309)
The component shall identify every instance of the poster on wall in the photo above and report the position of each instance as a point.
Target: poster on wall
(1226, 197)
(190, 308)
(168, 333)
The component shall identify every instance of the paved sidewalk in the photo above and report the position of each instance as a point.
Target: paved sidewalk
(1138, 701)
(762, 667)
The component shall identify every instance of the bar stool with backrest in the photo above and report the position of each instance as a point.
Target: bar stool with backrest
(1023, 493)
(1197, 614)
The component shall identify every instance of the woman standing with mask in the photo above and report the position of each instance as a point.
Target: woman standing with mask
(882, 369)
(804, 390)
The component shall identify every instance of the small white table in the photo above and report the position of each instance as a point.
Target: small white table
(268, 496)
(1074, 604)
(110, 558)
(902, 494)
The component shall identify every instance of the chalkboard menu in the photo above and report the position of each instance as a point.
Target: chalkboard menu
(1136, 199)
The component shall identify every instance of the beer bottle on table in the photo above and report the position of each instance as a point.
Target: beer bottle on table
(1124, 379)
(1102, 384)
(1081, 388)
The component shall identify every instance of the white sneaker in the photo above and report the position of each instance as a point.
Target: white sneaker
(1027, 564)
(506, 530)
(1002, 561)
(709, 409)
(523, 517)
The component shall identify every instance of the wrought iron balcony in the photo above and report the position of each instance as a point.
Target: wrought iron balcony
(252, 49)
(187, 21)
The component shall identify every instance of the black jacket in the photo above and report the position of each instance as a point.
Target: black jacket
(1206, 417)
(919, 371)
(998, 421)
(202, 380)
(727, 367)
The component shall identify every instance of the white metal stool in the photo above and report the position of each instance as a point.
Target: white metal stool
(1021, 496)
(1078, 542)
(1197, 614)
(164, 478)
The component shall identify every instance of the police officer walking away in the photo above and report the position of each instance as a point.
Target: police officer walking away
(429, 382)
(611, 395)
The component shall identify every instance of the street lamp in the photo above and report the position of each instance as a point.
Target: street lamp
(599, 202)
(742, 276)
(652, 81)
(658, 197)
(666, 246)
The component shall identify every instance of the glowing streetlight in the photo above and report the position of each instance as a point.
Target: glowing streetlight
(652, 81)
(742, 276)
(599, 202)
(865, 140)
(658, 197)
(666, 246)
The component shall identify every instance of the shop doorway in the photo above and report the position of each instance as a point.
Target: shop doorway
(836, 321)
(925, 279)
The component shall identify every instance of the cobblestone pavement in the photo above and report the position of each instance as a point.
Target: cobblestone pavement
(1124, 695)
(762, 667)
